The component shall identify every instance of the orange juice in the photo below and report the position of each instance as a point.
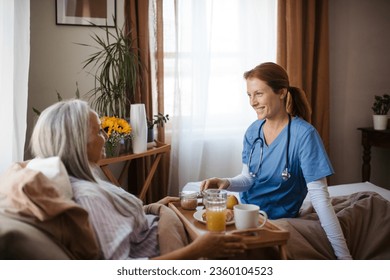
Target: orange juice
(216, 219)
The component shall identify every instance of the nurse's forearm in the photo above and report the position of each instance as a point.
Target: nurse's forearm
(319, 196)
(241, 182)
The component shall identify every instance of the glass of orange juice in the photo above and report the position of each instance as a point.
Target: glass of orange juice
(215, 202)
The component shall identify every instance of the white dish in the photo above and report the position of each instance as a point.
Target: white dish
(198, 216)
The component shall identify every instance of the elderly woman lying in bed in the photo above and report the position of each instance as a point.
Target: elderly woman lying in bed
(70, 132)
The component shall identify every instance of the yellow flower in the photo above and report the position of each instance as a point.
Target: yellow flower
(123, 126)
(116, 128)
(107, 125)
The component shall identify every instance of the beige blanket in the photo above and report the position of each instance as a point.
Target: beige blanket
(171, 232)
(32, 197)
(364, 218)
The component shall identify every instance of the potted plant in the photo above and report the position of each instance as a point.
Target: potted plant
(117, 66)
(157, 120)
(381, 107)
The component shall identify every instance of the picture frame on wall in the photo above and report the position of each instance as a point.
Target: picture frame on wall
(86, 12)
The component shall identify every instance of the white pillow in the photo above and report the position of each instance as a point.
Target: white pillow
(55, 170)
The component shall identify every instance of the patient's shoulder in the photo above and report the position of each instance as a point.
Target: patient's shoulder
(83, 188)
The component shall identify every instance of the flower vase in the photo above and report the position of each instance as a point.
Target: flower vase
(139, 128)
(125, 146)
(112, 149)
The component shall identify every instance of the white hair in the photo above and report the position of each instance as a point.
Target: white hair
(61, 130)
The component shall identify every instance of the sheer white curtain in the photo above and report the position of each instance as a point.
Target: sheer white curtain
(208, 47)
(14, 63)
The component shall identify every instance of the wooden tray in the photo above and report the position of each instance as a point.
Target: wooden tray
(266, 236)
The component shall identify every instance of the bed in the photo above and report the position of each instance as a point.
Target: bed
(363, 210)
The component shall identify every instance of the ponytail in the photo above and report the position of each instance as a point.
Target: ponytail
(297, 104)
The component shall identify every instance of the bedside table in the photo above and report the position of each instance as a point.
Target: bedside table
(376, 138)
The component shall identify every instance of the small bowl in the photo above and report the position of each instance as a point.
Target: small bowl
(189, 200)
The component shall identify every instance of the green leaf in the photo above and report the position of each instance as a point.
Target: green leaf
(36, 111)
(116, 66)
(59, 97)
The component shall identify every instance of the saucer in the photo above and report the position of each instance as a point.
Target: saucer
(198, 216)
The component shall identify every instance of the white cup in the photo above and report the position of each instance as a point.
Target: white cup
(247, 216)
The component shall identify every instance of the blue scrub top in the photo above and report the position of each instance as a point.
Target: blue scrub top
(308, 162)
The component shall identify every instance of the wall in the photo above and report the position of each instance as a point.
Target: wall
(359, 69)
(359, 63)
(56, 59)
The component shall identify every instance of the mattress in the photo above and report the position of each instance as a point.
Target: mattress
(335, 190)
(346, 189)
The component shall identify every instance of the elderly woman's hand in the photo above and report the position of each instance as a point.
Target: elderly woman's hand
(214, 246)
(168, 199)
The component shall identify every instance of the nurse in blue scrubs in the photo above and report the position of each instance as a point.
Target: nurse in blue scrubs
(283, 155)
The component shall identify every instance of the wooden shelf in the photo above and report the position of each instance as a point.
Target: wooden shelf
(158, 151)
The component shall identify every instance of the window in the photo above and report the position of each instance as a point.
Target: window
(208, 46)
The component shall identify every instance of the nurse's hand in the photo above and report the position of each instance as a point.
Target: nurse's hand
(214, 183)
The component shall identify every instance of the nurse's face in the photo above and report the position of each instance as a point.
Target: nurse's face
(264, 100)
